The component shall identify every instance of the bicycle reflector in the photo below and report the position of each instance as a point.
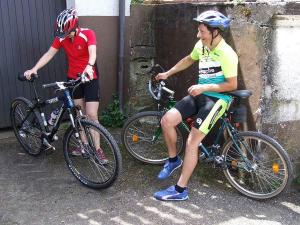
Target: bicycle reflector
(275, 168)
(234, 164)
(135, 138)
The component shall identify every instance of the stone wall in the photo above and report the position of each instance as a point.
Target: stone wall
(165, 33)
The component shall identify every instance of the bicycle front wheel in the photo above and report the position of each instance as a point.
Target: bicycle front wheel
(143, 138)
(257, 166)
(92, 154)
(27, 124)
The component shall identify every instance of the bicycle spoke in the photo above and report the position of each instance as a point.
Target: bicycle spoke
(88, 165)
(258, 169)
(264, 188)
(143, 138)
(27, 125)
(268, 182)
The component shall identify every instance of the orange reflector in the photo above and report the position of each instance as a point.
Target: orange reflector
(234, 164)
(275, 168)
(135, 138)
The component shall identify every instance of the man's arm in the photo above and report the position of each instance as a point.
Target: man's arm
(92, 54)
(92, 60)
(42, 62)
(229, 85)
(181, 65)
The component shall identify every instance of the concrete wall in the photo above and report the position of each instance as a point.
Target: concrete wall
(268, 55)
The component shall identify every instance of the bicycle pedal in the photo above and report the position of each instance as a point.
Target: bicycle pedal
(85, 155)
(48, 146)
(219, 162)
(55, 137)
(202, 156)
(49, 151)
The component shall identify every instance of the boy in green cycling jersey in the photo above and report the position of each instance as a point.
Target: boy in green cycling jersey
(218, 64)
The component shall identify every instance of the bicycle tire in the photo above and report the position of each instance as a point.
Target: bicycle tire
(87, 168)
(138, 135)
(271, 168)
(29, 135)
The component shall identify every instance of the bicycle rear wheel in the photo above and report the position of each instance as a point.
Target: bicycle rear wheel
(27, 124)
(88, 167)
(257, 166)
(143, 138)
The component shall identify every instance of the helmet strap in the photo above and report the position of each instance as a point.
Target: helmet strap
(213, 36)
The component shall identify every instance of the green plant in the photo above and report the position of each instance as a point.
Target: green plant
(136, 1)
(297, 179)
(112, 116)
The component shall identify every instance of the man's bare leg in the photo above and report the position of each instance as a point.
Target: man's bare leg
(169, 122)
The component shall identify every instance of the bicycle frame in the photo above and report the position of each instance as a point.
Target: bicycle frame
(211, 151)
(67, 105)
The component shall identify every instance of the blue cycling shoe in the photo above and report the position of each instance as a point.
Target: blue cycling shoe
(169, 168)
(170, 194)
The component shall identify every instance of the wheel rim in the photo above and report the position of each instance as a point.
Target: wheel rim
(29, 134)
(262, 174)
(144, 139)
(88, 167)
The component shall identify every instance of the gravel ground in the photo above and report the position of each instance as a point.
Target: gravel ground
(41, 190)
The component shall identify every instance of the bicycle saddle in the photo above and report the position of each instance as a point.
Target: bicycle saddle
(241, 93)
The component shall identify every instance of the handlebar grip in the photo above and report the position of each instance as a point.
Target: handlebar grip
(49, 85)
(157, 69)
(21, 77)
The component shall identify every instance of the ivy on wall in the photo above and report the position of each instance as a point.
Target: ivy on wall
(136, 1)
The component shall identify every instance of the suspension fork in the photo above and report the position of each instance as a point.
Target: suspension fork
(76, 124)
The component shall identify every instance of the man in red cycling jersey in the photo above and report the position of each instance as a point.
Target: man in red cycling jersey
(80, 47)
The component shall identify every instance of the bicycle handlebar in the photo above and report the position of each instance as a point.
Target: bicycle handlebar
(21, 77)
(64, 85)
(49, 85)
(155, 88)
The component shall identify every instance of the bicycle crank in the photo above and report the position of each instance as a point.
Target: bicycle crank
(219, 162)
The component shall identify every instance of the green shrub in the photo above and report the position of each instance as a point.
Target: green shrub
(112, 116)
(136, 1)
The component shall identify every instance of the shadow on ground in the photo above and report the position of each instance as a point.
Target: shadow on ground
(41, 190)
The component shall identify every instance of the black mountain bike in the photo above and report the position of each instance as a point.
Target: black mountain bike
(83, 135)
(253, 163)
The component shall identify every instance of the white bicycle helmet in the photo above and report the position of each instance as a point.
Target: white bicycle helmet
(214, 19)
(66, 22)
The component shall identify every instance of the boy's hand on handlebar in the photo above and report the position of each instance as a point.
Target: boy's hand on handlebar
(161, 76)
(88, 72)
(28, 73)
(85, 77)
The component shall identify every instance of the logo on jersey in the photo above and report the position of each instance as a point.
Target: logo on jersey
(79, 47)
(199, 121)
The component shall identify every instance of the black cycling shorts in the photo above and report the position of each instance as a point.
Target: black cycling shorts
(206, 109)
(89, 91)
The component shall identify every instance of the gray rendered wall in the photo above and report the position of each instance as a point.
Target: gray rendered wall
(169, 32)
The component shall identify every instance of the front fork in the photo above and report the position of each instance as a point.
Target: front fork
(76, 124)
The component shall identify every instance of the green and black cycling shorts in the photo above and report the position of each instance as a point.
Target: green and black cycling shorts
(206, 110)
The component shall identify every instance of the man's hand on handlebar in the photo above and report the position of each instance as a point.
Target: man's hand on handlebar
(161, 76)
(85, 77)
(29, 73)
(87, 74)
